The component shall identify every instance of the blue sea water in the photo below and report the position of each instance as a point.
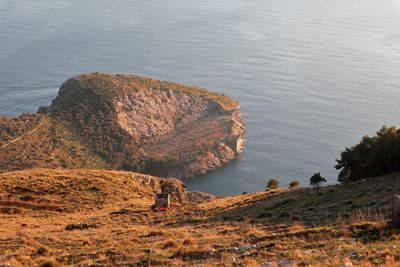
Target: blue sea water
(312, 76)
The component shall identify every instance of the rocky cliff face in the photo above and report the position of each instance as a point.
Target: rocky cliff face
(140, 124)
(157, 127)
(192, 132)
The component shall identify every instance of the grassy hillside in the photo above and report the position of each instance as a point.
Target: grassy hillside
(53, 145)
(102, 218)
(305, 205)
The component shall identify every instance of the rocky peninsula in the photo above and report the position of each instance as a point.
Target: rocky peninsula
(127, 122)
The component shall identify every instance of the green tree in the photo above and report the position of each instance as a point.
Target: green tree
(272, 184)
(294, 184)
(371, 157)
(316, 180)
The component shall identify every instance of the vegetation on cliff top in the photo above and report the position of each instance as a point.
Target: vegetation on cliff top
(110, 85)
(372, 157)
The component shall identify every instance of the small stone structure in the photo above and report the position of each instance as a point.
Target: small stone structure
(162, 201)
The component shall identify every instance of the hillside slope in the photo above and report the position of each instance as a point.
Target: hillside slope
(306, 206)
(103, 218)
(127, 122)
(80, 190)
(52, 145)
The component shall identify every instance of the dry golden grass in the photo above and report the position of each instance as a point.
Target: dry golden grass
(208, 233)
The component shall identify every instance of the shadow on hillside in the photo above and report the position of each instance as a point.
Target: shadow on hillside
(367, 200)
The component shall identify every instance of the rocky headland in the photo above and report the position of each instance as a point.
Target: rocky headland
(104, 121)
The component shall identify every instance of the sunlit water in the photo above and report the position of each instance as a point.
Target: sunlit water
(312, 76)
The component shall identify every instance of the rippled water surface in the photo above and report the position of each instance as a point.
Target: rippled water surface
(312, 76)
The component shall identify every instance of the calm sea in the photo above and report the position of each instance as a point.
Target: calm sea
(312, 76)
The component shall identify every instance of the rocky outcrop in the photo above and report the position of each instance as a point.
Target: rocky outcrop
(161, 128)
(175, 188)
(172, 186)
(196, 196)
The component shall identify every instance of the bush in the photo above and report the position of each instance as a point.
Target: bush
(294, 184)
(272, 184)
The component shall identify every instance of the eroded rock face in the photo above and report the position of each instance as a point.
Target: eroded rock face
(197, 133)
(156, 127)
(151, 113)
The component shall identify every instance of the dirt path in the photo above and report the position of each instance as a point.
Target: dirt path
(22, 136)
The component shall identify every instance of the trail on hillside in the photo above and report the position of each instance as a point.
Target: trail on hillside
(22, 136)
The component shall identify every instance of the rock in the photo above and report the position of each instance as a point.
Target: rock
(80, 226)
(245, 254)
(267, 264)
(148, 181)
(355, 256)
(217, 246)
(175, 188)
(199, 196)
(121, 212)
(285, 263)
(245, 248)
